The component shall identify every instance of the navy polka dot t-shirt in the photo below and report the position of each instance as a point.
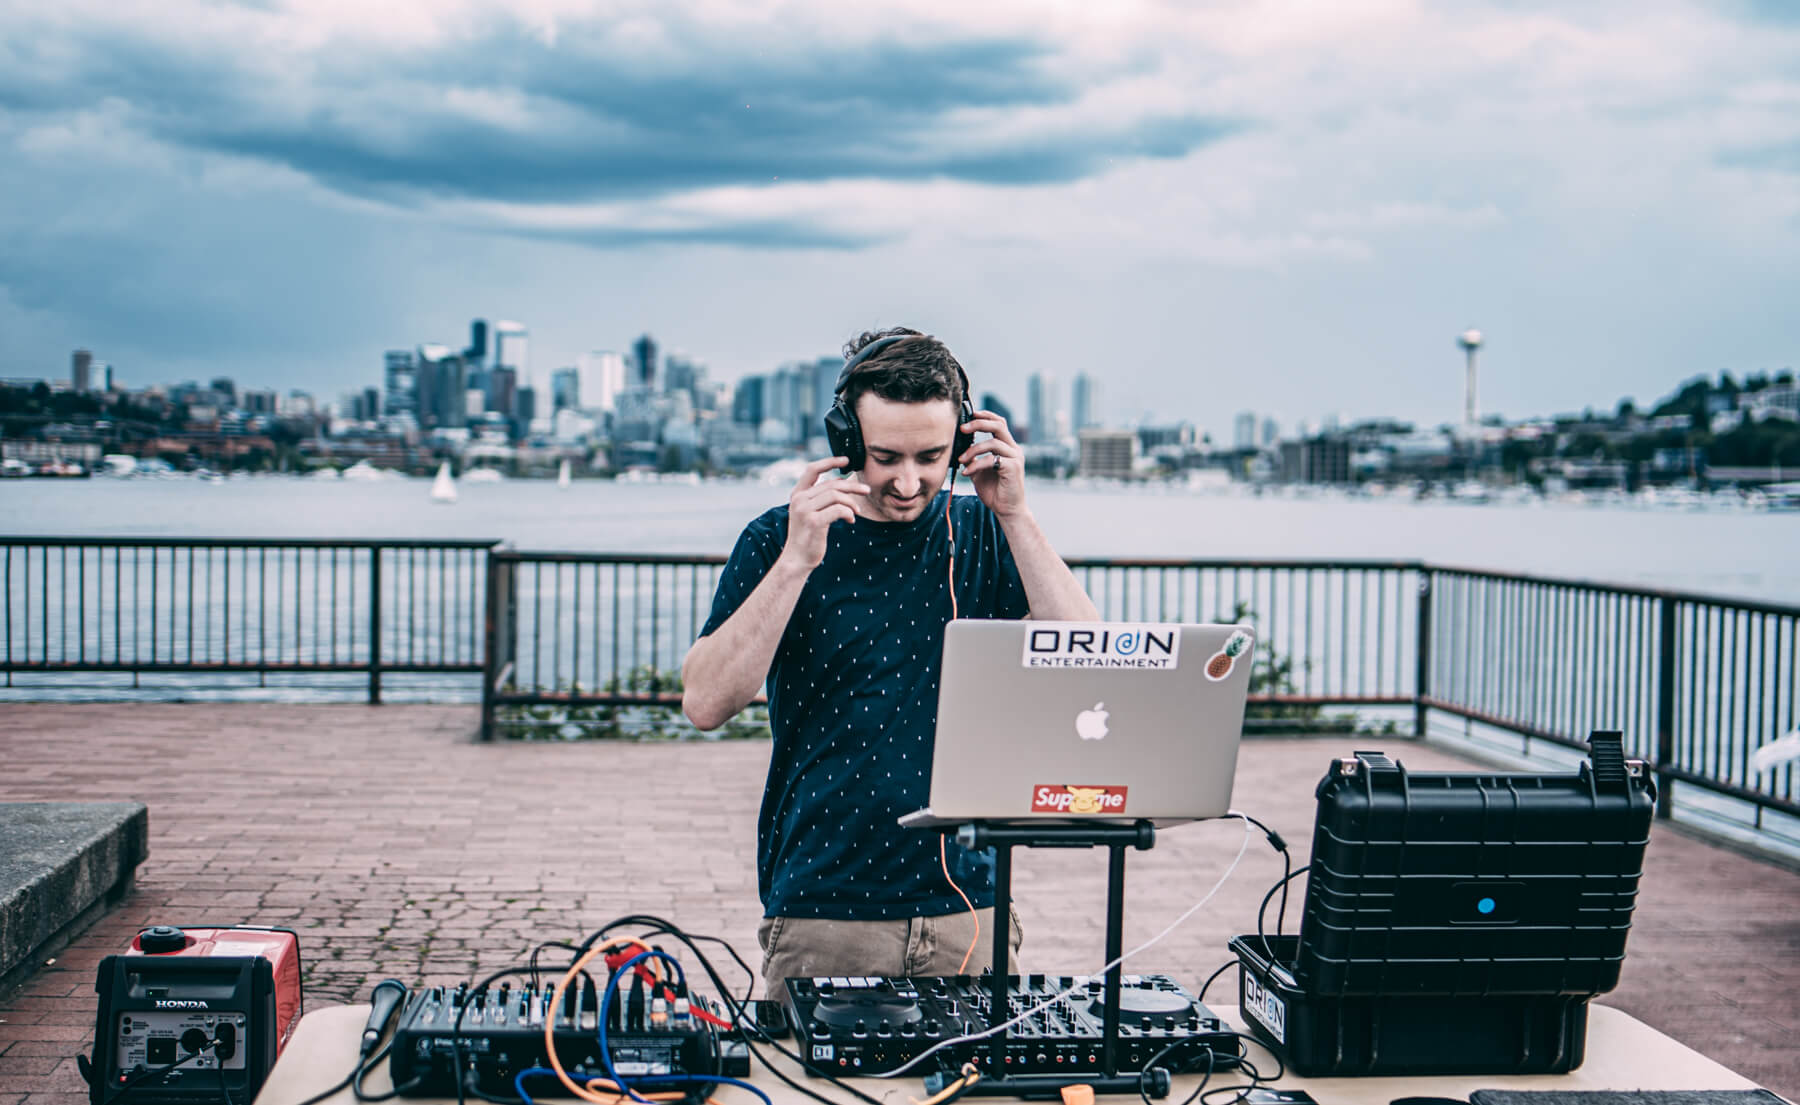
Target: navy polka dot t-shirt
(853, 696)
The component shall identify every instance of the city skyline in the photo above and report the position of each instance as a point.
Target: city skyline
(1201, 209)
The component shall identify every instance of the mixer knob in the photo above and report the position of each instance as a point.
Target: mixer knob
(908, 1031)
(821, 1031)
(860, 1028)
(1169, 1024)
(933, 1029)
(884, 1029)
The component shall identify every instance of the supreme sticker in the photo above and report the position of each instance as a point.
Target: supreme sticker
(1148, 646)
(1070, 799)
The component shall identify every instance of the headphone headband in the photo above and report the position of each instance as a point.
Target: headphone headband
(876, 347)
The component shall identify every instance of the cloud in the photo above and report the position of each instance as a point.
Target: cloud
(598, 111)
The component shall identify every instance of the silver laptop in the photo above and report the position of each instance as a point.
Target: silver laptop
(1066, 720)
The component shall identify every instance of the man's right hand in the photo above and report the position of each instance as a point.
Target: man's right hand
(814, 505)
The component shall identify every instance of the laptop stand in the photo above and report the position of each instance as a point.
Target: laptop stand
(1003, 837)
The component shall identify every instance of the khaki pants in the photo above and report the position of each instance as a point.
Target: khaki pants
(811, 947)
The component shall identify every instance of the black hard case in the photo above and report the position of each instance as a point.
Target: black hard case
(1457, 922)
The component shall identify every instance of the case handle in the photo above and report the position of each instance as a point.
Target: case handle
(1606, 756)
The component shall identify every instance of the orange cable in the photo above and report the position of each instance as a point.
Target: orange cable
(952, 528)
(550, 1034)
(944, 860)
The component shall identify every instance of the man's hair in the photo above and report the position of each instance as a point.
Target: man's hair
(916, 369)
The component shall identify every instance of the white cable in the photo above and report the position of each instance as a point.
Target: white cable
(1085, 979)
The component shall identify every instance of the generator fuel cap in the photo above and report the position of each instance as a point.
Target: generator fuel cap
(162, 938)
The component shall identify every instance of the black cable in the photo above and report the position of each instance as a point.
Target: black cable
(1263, 909)
(156, 1074)
(1210, 979)
(751, 1030)
(1143, 1087)
(1244, 1063)
(338, 1088)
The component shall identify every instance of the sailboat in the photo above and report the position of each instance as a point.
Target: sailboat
(562, 474)
(443, 489)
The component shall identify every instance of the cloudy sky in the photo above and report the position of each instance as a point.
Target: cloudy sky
(1288, 207)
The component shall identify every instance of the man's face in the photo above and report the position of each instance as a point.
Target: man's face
(909, 454)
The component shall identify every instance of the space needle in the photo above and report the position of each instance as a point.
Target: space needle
(1470, 340)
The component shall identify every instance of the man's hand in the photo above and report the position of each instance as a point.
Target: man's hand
(814, 505)
(996, 466)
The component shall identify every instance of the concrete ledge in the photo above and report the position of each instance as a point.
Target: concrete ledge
(62, 864)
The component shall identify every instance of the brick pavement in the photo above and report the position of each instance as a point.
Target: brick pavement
(397, 845)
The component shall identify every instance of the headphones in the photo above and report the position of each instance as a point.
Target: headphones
(844, 433)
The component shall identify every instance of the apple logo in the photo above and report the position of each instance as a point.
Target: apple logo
(1091, 724)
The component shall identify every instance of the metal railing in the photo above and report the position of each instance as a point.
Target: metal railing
(145, 606)
(1696, 683)
(596, 629)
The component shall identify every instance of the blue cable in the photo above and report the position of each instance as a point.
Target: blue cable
(612, 985)
(584, 1079)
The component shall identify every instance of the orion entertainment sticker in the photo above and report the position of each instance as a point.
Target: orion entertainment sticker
(1149, 646)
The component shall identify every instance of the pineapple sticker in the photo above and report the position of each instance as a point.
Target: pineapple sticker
(1220, 664)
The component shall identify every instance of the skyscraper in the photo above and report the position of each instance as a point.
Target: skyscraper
(1083, 398)
(1243, 431)
(511, 341)
(602, 378)
(402, 396)
(644, 350)
(682, 373)
(80, 368)
(747, 401)
(441, 379)
(565, 390)
(476, 354)
(1040, 408)
(502, 389)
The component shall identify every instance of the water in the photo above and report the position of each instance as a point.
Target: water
(1736, 554)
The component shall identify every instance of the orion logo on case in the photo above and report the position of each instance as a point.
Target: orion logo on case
(1261, 1004)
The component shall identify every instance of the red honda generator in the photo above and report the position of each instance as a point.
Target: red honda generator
(193, 1015)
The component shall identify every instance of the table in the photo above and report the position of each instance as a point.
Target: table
(1622, 1054)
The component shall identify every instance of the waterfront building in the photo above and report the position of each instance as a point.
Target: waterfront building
(1108, 454)
(81, 366)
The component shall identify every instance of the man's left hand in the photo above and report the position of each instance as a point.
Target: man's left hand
(996, 466)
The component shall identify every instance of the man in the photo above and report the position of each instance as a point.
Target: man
(838, 601)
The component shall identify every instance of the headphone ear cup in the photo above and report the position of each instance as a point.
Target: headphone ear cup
(963, 440)
(843, 433)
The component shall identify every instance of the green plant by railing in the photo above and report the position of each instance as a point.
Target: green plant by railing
(650, 721)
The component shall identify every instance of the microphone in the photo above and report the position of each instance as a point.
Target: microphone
(384, 1003)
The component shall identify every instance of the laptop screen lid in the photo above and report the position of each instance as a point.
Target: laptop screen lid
(1075, 719)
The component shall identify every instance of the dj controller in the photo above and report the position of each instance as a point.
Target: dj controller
(875, 1025)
